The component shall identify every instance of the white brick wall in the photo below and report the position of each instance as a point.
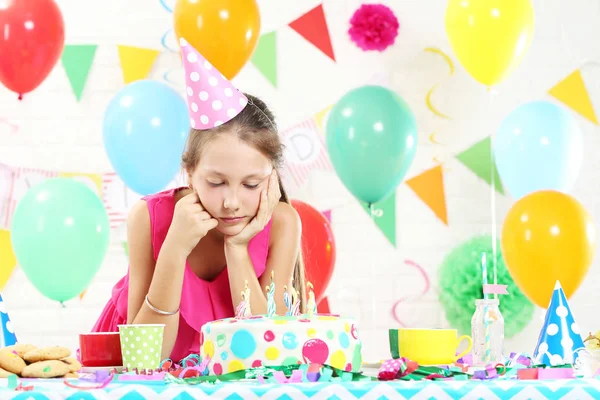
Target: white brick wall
(58, 133)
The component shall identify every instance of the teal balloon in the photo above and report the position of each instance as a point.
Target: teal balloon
(371, 137)
(60, 235)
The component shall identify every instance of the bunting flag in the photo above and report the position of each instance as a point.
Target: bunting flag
(429, 186)
(77, 60)
(572, 92)
(8, 261)
(305, 151)
(136, 62)
(93, 181)
(384, 215)
(327, 214)
(478, 158)
(321, 116)
(312, 26)
(265, 56)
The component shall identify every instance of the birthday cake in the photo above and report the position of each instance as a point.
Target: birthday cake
(242, 343)
(248, 341)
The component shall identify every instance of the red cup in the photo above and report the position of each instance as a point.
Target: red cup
(100, 349)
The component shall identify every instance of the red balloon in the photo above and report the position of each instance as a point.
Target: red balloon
(318, 247)
(32, 38)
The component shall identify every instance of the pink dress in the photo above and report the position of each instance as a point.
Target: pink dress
(201, 301)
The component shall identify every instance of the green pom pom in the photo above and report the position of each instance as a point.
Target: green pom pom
(461, 284)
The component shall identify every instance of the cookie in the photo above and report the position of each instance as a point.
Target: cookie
(20, 349)
(72, 375)
(11, 362)
(47, 353)
(4, 373)
(73, 364)
(46, 369)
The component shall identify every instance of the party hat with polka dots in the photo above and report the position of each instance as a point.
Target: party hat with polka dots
(212, 99)
(8, 333)
(560, 340)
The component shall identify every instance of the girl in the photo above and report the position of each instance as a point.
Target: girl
(192, 249)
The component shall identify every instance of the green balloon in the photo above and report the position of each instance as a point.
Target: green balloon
(60, 234)
(372, 141)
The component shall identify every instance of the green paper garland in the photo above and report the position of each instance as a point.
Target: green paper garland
(460, 283)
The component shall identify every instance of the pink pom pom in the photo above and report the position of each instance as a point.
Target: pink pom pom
(373, 27)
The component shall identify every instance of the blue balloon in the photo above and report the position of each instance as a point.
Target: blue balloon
(145, 129)
(538, 147)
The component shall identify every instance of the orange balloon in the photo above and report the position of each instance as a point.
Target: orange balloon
(225, 32)
(548, 236)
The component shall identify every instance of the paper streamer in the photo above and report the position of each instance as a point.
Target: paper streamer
(428, 102)
(424, 291)
(13, 127)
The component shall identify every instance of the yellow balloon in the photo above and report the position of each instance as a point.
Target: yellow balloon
(548, 236)
(225, 32)
(8, 261)
(489, 37)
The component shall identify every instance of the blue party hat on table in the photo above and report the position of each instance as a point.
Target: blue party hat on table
(8, 337)
(559, 341)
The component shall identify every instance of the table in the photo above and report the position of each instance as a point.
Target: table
(416, 390)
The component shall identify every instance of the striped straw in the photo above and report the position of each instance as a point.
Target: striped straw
(486, 319)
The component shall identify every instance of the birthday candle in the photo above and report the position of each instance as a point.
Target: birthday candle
(287, 300)
(311, 306)
(241, 307)
(271, 297)
(248, 311)
(295, 301)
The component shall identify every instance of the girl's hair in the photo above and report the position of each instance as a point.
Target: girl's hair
(255, 125)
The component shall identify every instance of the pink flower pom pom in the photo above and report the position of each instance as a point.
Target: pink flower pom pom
(373, 27)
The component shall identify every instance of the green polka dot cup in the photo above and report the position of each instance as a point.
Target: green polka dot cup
(141, 345)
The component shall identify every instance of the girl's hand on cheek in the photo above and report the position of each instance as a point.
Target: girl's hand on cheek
(190, 223)
(269, 199)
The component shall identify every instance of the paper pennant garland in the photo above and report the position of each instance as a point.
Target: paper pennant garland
(136, 62)
(384, 215)
(8, 261)
(265, 56)
(8, 333)
(560, 340)
(77, 61)
(478, 159)
(313, 27)
(429, 186)
(572, 92)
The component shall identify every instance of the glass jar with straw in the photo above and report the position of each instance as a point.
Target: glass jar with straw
(487, 328)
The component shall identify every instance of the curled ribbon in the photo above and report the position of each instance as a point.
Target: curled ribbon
(163, 41)
(423, 292)
(428, 102)
(14, 127)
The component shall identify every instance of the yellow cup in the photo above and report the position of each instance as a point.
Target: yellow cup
(431, 346)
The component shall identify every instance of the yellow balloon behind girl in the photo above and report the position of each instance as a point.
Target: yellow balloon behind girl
(489, 37)
(225, 32)
(548, 236)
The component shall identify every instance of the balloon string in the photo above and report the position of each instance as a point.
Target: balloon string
(493, 201)
(426, 288)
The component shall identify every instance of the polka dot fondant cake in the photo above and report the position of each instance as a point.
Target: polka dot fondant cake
(241, 343)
